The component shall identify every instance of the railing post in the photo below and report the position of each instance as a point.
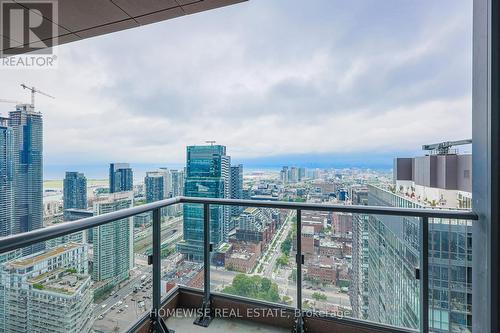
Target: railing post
(207, 315)
(157, 320)
(424, 274)
(299, 259)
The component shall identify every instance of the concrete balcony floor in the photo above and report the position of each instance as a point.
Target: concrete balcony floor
(186, 299)
(185, 324)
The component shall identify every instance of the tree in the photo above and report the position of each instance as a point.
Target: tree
(253, 287)
(286, 246)
(319, 296)
(286, 300)
(282, 260)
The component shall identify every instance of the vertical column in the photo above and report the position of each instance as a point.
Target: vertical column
(206, 251)
(156, 261)
(424, 275)
(207, 313)
(485, 166)
(299, 259)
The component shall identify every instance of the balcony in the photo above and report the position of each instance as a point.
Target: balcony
(100, 19)
(211, 310)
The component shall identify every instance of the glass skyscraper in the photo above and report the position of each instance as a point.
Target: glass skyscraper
(386, 249)
(236, 187)
(75, 191)
(120, 177)
(154, 183)
(27, 138)
(207, 175)
(6, 178)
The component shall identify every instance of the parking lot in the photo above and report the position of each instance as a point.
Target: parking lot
(125, 311)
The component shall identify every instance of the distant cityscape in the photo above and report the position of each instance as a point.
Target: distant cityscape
(98, 280)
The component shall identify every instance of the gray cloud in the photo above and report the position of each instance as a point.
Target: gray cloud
(265, 78)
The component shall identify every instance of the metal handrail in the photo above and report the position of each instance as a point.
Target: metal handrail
(17, 241)
(39, 235)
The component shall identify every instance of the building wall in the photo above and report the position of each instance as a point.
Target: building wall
(392, 254)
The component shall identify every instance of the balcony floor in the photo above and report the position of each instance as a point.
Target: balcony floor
(185, 324)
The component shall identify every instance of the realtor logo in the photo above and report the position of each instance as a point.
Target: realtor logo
(27, 26)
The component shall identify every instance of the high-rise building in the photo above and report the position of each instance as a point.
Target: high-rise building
(113, 242)
(167, 182)
(284, 175)
(176, 188)
(121, 177)
(6, 186)
(293, 175)
(208, 176)
(154, 184)
(75, 191)
(177, 177)
(236, 187)
(27, 139)
(49, 290)
(386, 249)
(302, 173)
(6, 178)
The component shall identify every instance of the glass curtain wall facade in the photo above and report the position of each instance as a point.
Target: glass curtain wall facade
(207, 175)
(386, 255)
(75, 191)
(121, 177)
(27, 137)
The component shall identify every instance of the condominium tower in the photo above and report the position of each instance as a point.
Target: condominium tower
(27, 140)
(113, 242)
(75, 191)
(49, 290)
(120, 177)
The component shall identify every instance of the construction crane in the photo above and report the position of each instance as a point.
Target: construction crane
(33, 91)
(443, 148)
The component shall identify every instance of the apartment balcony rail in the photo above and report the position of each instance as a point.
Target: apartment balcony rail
(153, 319)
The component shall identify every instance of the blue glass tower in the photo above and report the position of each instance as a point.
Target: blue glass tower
(6, 178)
(27, 139)
(120, 177)
(207, 175)
(75, 191)
(155, 186)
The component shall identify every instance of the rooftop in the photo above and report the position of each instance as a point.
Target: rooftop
(32, 260)
(66, 283)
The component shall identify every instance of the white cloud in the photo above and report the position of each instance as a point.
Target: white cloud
(264, 78)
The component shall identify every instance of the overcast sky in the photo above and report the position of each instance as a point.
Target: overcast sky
(266, 78)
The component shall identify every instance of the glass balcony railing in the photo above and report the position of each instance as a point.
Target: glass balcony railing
(296, 257)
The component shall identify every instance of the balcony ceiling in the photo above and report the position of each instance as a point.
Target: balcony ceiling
(80, 19)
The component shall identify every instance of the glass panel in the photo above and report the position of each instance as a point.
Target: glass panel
(256, 260)
(181, 263)
(121, 300)
(327, 250)
(450, 285)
